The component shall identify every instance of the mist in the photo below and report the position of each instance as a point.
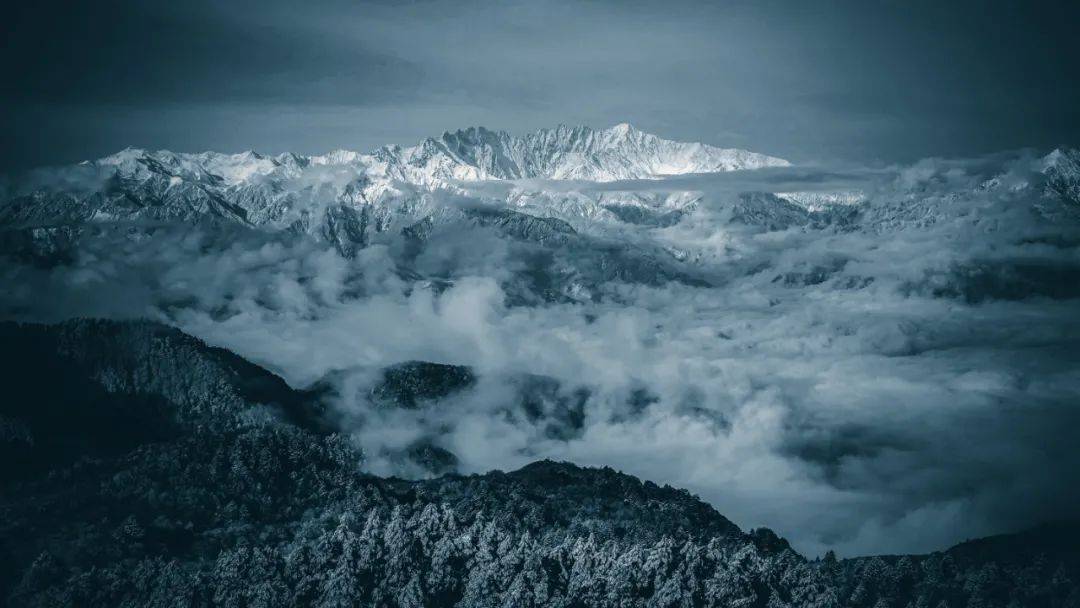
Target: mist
(895, 379)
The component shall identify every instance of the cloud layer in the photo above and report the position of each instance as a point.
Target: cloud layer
(890, 380)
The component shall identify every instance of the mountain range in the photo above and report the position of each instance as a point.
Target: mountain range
(249, 187)
(349, 199)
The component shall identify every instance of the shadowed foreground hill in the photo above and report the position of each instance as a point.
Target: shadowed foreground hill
(145, 468)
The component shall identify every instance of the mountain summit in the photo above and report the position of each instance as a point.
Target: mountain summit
(472, 154)
(577, 153)
(344, 194)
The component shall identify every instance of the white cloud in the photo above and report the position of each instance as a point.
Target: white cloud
(896, 385)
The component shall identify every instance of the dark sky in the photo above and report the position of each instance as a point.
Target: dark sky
(811, 81)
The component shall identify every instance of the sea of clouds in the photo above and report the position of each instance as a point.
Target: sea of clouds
(894, 381)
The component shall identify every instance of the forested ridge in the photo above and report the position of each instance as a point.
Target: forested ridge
(145, 468)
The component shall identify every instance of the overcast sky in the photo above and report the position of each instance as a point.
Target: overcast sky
(811, 81)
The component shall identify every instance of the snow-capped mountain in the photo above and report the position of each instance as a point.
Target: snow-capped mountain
(347, 198)
(577, 153)
(344, 195)
(1062, 169)
(621, 152)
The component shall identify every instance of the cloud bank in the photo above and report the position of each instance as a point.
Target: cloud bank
(891, 379)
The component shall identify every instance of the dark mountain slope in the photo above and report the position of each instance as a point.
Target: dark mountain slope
(185, 476)
(100, 387)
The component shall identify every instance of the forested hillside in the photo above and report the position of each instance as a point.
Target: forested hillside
(145, 468)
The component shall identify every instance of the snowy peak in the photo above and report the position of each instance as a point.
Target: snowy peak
(624, 152)
(227, 169)
(329, 194)
(1062, 170)
(621, 152)
(577, 153)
